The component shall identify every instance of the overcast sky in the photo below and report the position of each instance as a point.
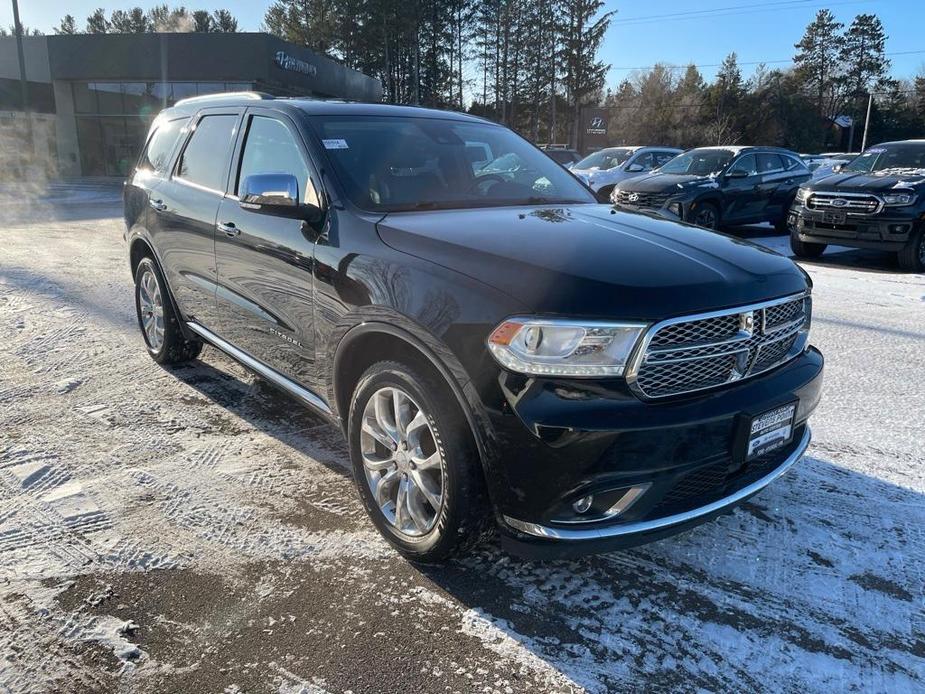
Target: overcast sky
(643, 31)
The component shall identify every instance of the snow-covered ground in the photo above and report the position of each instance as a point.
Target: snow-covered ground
(193, 530)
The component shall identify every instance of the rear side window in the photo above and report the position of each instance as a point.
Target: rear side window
(769, 163)
(205, 159)
(270, 148)
(791, 164)
(156, 156)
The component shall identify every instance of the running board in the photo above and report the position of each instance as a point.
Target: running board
(261, 369)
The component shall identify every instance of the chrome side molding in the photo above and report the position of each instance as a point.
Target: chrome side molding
(572, 534)
(297, 391)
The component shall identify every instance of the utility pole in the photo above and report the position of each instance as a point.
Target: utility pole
(23, 83)
(870, 101)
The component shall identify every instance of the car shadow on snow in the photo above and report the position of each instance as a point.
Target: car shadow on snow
(818, 579)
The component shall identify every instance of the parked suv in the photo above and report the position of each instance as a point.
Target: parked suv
(603, 169)
(875, 201)
(714, 187)
(497, 352)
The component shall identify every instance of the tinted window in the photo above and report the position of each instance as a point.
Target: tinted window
(791, 164)
(769, 163)
(270, 148)
(662, 158)
(423, 163)
(205, 158)
(699, 162)
(646, 161)
(748, 164)
(903, 157)
(156, 156)
(605, 159)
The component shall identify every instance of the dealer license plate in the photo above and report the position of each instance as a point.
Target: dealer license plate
(770, 431)
(833, 217)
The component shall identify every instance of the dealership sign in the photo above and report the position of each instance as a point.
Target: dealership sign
(597, 126)
(287, 62)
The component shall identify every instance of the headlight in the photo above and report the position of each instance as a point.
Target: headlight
(550, 347)
(899, 197)
(802, 193)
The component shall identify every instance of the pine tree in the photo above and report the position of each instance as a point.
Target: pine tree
(133, 21)
(818, 59)
(97, 22)
(224, 22)
(202, 21)
(68, 25)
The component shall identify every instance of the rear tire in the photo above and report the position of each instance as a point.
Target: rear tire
(912, 256)
(157, 319)
(805, 249)
(418, 473)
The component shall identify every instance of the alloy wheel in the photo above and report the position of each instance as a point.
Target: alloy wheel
(152, 309)
(706, 218)
(403, 464)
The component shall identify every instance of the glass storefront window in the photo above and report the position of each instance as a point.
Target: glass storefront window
(109, 96)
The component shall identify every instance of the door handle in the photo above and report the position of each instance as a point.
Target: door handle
(157, 205)
(229, 229)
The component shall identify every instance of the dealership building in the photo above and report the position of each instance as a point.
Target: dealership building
(91, 97)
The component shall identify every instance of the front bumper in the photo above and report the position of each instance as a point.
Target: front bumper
(885, 231)
(562, 441)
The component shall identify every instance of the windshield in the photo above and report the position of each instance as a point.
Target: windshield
(886, 157)
(605, 159)
(398, 164)
(699, 162)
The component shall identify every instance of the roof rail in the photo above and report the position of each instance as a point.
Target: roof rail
(205, 98)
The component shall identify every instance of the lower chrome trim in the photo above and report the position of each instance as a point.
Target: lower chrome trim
(570, 534)
(261, 369)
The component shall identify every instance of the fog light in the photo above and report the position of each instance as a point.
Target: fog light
(583, 504)
(899, 228)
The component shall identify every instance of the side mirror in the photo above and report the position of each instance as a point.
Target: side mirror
(276, 194)
(635, 168)
(837, 168)
(738, 173)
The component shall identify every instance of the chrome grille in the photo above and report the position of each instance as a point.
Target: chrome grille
(628, 198)
(857, 203)
(683, 355)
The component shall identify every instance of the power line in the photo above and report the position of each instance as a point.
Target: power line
(731, 11)
(752, 62)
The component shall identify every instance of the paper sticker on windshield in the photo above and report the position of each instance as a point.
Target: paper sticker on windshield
(876, 150)
(335, 144)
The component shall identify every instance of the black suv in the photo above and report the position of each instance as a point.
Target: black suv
(498, 352)
(714, 187)
(875, 201)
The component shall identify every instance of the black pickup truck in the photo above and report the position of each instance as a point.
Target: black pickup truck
(497, 351)
(876, 201)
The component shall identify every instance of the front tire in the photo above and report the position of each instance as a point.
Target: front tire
(912, 256)
(157, 319)
(805, 249)
(706, 216)
(415, 463)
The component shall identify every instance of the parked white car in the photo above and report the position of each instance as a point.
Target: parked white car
(603, 169)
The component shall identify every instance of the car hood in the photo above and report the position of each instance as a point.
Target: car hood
(663, 183)
(590, 260)
(880, 181)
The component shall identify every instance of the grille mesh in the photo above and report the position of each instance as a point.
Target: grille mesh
(707, 330)
(647, 200)
(693, 355)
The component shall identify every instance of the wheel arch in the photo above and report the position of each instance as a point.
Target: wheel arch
(372, 339)
(140, 247)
